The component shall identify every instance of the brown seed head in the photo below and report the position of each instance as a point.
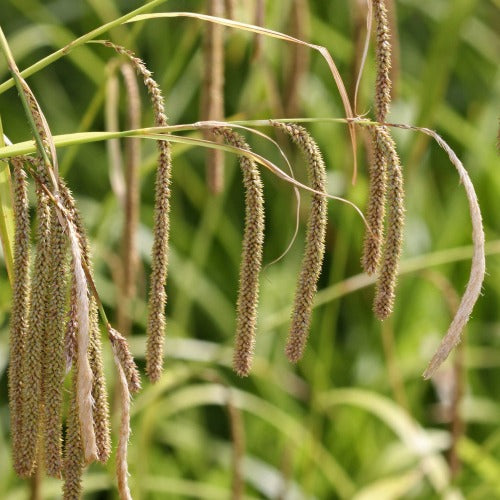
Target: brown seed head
(20, 307)
(38, 321)
(73, 449)
(315, 242)
(383, 56)
(386, 284)
(374, 239)
(251, 258)
(53, 349)
(121, 351)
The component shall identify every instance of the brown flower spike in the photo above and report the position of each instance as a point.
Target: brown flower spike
(20, 306)
(122, 353)
(53, 350)
(315, 242)
(73, 449)
(38, 321)
(386, 284)
(378, 164)
(161, 229)
(376, 207)
(251, 258)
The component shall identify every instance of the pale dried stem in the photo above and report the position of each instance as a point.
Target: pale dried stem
(259, 21)
(99, 394)
(478, 268)
(85, 376)
(124, 433)
(300, 57)
(238, 441)
(213, 92)
(130, 258)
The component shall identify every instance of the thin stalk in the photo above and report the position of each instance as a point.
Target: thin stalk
(21, 88)
(79, 41)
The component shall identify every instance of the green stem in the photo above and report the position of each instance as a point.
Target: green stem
(27, 147)
(4, 46)
(79, 41)
(7, 229)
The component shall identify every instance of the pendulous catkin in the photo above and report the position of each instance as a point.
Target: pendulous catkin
(73, 450)
(38, 321)
(251, 258)
(383, 56)
(386, 283)
(20, 306)
(161, 226)
(315, 241)
(121, 351)
(374, 239)
(53, 349)
(99, 393)
(70, 333)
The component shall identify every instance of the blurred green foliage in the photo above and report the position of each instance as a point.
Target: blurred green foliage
(354, 419)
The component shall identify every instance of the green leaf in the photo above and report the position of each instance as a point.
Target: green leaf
(6, 213)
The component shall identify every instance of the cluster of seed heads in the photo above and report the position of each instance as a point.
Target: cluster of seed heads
(381, 252)
(56, 307)
(55, 329)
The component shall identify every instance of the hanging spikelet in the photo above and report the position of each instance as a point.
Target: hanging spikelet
(251, 258)
(121, 351)
(73, 450)
(99, 393)
(20, 307)
(383, 55)
(161, 229)
(53, 349)
(374, 239)
(38, 321)
(315, 242)
(386, 284)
